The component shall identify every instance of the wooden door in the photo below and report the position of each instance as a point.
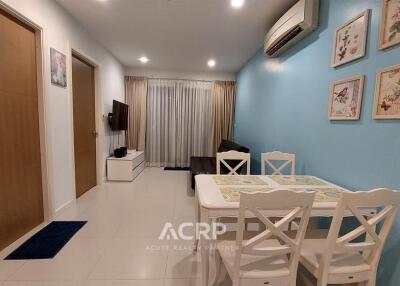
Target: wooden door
(84, 125)
(21, 194)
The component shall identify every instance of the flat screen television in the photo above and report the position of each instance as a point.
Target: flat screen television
(119, 119)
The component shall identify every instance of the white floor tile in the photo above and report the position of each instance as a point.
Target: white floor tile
(44, 283)
(9, 267)
(100, 226)
(132, 259)
(125, 283)
(183, 262)
(119, 245)
(142, 227)
(182, 282)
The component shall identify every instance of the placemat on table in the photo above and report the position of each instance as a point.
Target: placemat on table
(238, 180)
(298, 180)
(232, 194)
(325, 195)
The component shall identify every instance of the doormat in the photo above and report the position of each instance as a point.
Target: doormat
(46, 243)
(177, 169)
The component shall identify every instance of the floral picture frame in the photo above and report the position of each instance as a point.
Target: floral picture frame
(58, 68)
(346, 99)
(350, 39)
(387, 93)
(390, 24)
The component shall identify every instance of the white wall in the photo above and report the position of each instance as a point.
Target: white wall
(62, 32)
(179, 75)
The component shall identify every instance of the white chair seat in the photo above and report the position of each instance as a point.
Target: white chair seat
(253, 267)
(313, 249)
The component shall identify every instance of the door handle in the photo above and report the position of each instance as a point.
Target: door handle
(95, 133)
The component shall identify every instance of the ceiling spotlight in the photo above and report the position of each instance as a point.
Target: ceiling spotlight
(143, 59)
(237, 3)
(211, 63)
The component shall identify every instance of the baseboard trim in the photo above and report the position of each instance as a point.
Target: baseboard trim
(63, 206)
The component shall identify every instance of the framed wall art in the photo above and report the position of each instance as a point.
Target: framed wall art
(346, 98)
(58, 68)
(390, 24)
(350, 40)
(387, 94)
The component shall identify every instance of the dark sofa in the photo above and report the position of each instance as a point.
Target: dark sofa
(208, 165)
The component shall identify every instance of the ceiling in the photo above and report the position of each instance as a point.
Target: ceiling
(179, 35)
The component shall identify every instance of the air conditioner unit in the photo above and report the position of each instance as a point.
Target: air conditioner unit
(297, 23)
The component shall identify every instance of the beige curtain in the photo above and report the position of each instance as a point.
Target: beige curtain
(178, 121)
(224, 96)
(136, 98)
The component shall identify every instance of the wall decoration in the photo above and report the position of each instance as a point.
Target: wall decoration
(346, 98)
(350, 40)
(387, 94)
(390, 24)
(58, 68)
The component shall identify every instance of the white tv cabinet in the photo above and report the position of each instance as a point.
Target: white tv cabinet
(127, 168)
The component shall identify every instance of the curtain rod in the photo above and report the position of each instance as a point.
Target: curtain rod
(165, 78)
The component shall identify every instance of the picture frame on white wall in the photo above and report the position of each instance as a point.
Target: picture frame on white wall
(58, 68)
(387, 93)
(349, 42)
(346, 99)
(390, 24)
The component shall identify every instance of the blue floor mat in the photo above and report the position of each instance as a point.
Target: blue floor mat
(46, 243)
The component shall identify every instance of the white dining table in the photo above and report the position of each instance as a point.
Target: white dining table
(218, 196)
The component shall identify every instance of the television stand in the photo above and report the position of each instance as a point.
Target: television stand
(125, 169)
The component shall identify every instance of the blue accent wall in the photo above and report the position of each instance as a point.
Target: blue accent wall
(282, 105)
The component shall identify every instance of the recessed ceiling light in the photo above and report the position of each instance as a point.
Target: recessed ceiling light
(144, 59)
(211, 63)
(237, 3)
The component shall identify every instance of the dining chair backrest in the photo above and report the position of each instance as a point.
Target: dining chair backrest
(227, 158)
(276, 156)
(296, 204)
(386, 202)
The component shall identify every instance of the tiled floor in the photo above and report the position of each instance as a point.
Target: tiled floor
(119, 245)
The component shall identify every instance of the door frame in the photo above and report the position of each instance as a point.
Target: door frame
(98, 111)
(45, 154)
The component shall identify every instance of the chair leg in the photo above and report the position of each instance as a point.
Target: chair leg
(371, 281)
(222, 274)
(236, 283)
(322, 282)
(220, 271)
(218, 262)
(293, 280)
(197, 220)
(196, 245)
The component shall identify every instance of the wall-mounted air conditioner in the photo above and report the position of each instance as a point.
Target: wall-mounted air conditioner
(297, 23)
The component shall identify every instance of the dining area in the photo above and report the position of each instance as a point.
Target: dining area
(285, 229)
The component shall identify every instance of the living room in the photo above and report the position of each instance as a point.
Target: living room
(229, 142)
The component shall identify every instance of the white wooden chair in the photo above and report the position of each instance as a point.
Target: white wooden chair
(271, 257)
(244, 158)
(269, 158)
(339, 259)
